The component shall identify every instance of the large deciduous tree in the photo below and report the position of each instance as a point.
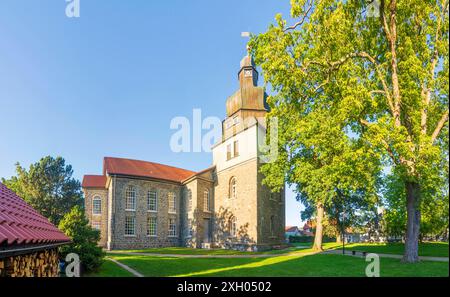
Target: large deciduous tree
(48, 186)
(382, 67)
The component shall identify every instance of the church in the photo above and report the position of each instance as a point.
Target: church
(139, 204)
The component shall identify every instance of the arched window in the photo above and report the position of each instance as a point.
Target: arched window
(97, 206)
(189, 199)
(232, 226)
(272, 225)
(233, 188)
(206, 200)
(130, 199)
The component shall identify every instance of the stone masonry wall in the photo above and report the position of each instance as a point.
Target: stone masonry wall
(118, 239)
(89, 195)
(243, 208)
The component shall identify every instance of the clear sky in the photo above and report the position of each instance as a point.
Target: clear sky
(109, 83)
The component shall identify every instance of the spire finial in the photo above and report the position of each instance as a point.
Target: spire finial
(246, 35)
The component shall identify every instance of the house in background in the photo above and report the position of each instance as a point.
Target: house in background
(28, 241)
(292, 231)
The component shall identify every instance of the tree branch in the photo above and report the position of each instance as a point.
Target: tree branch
(439, 126)
(304, 16)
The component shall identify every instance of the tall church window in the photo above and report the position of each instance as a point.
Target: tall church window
(152, 201)
(130, 200)
(189, 199)
(97, 206)
(233, 188)
(172, 228)
(236, 148)
(229, 152)
(152, 226)
(206, 201)
(172, 203)
(232, 226)
(272, 225)
(130, 226)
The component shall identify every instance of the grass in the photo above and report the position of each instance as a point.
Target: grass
(327, 265)
(212, 252)
(433, 249)
(110, 269)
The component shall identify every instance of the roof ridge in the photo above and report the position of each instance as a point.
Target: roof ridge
(157, 163)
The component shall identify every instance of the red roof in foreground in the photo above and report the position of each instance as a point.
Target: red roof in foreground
(21, 224)
(94, 181)
(144, 169)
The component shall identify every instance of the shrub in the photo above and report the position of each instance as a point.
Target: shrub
(84, 239)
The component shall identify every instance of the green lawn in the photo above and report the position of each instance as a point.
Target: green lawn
(434, 249)
(191, 251)
(292, 265)
(110, 269)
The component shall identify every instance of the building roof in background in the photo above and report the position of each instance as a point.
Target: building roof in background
(20, 224)
(291, 229)
(94, 181)
(144, 169)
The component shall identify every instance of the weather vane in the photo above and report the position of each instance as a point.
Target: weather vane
(246, 35)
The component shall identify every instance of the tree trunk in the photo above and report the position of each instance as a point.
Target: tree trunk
(413, 222)
(319, 228)
(338, 237)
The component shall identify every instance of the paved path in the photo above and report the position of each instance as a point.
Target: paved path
(359, 254)
(127, 268)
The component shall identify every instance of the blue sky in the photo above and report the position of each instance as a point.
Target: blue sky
(109, 83)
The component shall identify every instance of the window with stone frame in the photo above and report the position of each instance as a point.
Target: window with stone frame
(97, 225)
(152, 201)
(172, 227)
(236, 149)
(228, 152)
(232, 226)
(190, 229)
(189, 199)
(172, 202)
(206, 201)
(130, 226)
(152, 226)
(272, 225)
(97, 206)
(130, 198)
(233, 188)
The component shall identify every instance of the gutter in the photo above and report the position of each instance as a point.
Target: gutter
(28, 250)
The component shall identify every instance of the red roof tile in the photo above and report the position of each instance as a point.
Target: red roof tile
(21, 224)
(144, 169)
(291, 229)
(94, 181)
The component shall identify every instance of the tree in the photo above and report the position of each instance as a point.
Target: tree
(48, 187)
(84, 239)
(385, 74)
(319, 168)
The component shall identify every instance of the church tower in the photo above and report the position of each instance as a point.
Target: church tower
(247, 215)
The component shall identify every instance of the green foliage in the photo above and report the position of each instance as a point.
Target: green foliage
(84, 239)
(354, 92)
(48, 187)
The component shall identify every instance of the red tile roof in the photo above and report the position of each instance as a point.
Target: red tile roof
(21, 224)
(94, 181)
(144, 169)
(291, 229)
